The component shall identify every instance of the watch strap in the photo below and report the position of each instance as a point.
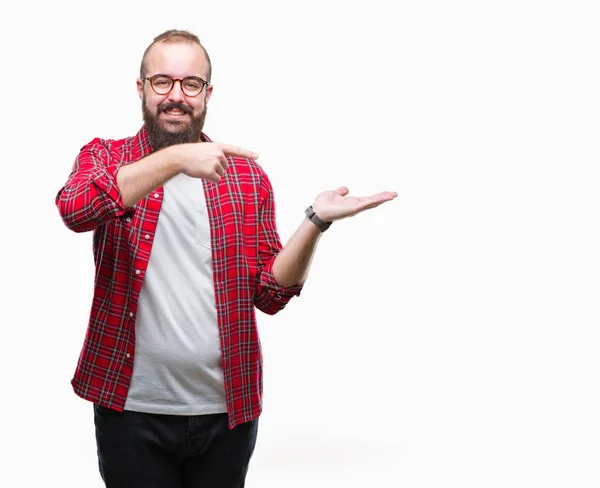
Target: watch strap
(314, 218)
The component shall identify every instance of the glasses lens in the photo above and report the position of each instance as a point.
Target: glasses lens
(162, 84)
(191, 86)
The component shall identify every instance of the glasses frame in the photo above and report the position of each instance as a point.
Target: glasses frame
(195, 78)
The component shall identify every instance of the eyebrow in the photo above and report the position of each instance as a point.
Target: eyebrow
(184, 78)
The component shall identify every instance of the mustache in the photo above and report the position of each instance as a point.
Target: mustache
(174, 106)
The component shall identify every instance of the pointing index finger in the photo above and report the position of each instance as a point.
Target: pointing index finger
(229, 150)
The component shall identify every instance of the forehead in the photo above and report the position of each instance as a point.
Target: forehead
(178, 59)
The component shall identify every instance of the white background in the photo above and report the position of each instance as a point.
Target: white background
(448, 338)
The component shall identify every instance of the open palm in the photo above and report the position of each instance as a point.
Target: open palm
(336, 204)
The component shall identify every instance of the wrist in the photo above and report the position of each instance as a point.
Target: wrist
(321, 212)
(176, 157)
(314, 217)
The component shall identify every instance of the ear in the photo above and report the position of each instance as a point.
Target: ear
(140, 88)
(209, 90)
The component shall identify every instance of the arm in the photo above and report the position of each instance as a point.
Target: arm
(100, 189)
(137, 180)
(198, 160)
(292, 264)
(286, 270)
(269, 296)
(91, 195)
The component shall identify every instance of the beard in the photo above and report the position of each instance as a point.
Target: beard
(168, 133)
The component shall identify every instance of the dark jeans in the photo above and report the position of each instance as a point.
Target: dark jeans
(138, 450)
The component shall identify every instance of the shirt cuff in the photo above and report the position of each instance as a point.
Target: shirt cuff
(105, 180)
(268, 281)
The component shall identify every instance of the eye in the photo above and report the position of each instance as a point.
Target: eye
(192, 85)
(161, 81)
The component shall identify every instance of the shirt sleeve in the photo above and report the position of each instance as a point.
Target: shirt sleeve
(91, 196)
(270, 298)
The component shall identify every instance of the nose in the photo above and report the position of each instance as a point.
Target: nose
(176, 94)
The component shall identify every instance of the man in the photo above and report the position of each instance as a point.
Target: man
(185, 246)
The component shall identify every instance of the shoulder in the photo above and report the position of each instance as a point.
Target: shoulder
(109, 148)
(248, 170)
(99, 143)
(243, 165)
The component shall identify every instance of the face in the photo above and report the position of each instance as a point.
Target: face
(174, 118)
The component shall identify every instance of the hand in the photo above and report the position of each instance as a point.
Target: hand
(336, 205)
(209, 159)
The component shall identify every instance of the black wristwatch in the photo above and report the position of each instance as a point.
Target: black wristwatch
(314, 218)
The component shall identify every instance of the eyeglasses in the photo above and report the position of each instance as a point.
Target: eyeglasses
(191, 86)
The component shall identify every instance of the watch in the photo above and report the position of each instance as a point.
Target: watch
(313, 217)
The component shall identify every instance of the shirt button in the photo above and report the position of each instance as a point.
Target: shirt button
(131, 314)
(128, 219)
(127, 355)
(156, 195)
(147, 236)
(137, 271)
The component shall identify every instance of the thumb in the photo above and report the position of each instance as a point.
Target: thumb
(342, 191)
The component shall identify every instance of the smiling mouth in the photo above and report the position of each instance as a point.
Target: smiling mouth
(174, 113)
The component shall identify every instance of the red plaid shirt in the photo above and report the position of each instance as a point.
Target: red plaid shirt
(244, 242)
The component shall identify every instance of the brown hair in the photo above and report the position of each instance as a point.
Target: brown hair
(174, 35)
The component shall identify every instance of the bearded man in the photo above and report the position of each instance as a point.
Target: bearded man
(185, 248)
